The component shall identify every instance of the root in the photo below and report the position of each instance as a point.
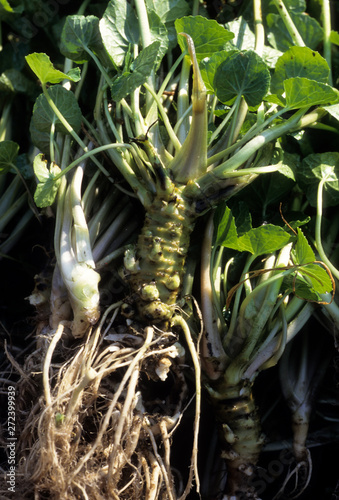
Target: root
(297, 480)
(93, 433)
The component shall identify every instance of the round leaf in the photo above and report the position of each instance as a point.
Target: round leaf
(43, 115)
(302, 62)
(80, 33)
(243, 73)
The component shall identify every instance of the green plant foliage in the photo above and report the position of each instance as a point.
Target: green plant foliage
(257, 241)
(42, 66)
(209, 67)
(208, 36)
(8, 155)
(119, 30)
(302, 92)
(311, 279)
(43, 116)
(79, 37)
(310, 30)
(242, 74)
(320, 167)
(299, 62)
(141, 69)
(48, 186)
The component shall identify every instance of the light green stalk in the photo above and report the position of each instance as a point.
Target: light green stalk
(326, 20)
(191, 160)
(291, 28)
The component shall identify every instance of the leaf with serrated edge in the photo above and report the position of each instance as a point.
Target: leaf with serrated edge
(48, 186)
(302, 253)
(302, 62)
(302, 92)
(142, 67)
(42, 66)
(227, 234)
(80, 33)
(208, 36)
(168, 10)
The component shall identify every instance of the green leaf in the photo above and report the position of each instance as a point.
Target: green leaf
(242, 217)
(302, 253)
(310, 30)
(333, 110)
(226, 233)
(243, 73)
(159, 34)
(257, 241)
(302, 92)
(48, 186)
(7, 12)
(313, 169)
(209, 67)
(311, 282)
(42, 66)
(41, 140)
(168, 10)
(141, 68)
(208, 36)
(119, 30)
(13, 80)
(65, 101)
(299, 62)
(318, 278)
(334, 37)
(8, 155)
(79, 35)
(264, 239)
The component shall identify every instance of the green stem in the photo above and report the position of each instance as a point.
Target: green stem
(80, 228)
(170, 74)
(320, 248)
(236, 305)
(90, 154)
(100, 66)
(146, 40)
(326, 19)
(254, 131)
(212, 352)
(290, 26)
(51, 141)
(211, 180)
(70, 129)
(258, 27)
(164, 116)
(5, 119)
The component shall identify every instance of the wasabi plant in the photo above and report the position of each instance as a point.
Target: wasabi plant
(185, 113)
